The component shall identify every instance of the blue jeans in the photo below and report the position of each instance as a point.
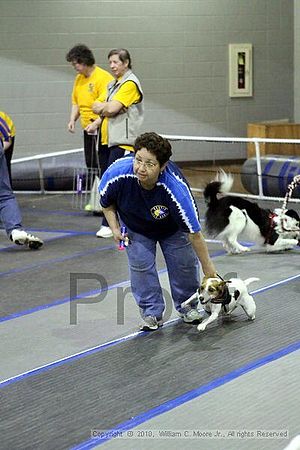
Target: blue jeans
(10, 214)
(182, 265)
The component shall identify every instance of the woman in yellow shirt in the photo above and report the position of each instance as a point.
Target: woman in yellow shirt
(91, 82)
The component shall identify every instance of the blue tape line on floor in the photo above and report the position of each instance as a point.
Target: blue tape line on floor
(195, 393)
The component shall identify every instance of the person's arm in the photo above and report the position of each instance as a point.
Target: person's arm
(93, 126)
(111, 216)
(108, 109)
(121, 101)
(6, 144)
(73, 117)
(201, 250)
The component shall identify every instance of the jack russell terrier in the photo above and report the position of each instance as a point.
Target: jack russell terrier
(217, 295)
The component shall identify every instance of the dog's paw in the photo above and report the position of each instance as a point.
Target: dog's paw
(238, 250)
(201, 327)
(242, 249)
(246, 249)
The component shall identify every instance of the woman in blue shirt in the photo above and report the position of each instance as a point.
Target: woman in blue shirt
(149, 195)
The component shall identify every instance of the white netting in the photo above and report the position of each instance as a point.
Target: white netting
(85, 190)
(204, 157)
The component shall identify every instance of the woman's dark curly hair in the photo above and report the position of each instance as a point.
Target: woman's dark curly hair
(156, 145)
(81, 54)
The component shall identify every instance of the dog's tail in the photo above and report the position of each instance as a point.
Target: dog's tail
(250, 280)
(222, 184)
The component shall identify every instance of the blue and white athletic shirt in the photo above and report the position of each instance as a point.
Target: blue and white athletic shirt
(155, 213)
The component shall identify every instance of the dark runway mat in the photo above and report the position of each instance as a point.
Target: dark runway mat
(34, 279)
(43, 277)
(58, 408)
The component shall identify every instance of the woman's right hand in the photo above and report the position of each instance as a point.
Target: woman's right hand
(97, 107)
(71, 126)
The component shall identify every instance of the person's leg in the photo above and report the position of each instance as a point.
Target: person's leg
(183, 267)
(103, 153)
(90, 150)
(115, 153)
(144, 279)
(10, 214)
(8, 155)
(93, 171)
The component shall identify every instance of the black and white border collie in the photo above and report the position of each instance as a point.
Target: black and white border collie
(230, 218)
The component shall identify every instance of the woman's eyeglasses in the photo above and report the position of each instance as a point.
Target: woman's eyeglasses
(147, 164)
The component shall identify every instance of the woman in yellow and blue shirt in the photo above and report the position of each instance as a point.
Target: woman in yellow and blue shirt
(121, 114)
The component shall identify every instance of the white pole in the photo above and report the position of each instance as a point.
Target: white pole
(259, 174)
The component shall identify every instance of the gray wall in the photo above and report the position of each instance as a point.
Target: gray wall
(297, 61)
(179, 51)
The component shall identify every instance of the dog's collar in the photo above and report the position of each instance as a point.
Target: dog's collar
(225, 298)
(271, 227)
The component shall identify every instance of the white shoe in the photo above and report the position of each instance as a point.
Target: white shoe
(20, 237)
(92, 208)
(94, 200)
(104, 232)
(88, 207)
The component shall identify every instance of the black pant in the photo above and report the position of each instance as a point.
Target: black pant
(90, 150)
(108, 155)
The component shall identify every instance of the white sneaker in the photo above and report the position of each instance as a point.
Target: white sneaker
(20, 237)
(151, 323)
(104, 232)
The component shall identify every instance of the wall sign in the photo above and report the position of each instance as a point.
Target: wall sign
(240, 70)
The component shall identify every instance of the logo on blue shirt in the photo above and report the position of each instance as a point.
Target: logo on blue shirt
(159, 212)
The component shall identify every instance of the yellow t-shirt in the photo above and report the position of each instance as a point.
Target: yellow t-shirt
(86, 90)
(128, 94)
(7, 127)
